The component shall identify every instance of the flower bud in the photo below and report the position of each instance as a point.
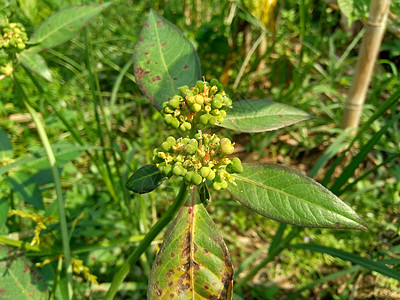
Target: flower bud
(217, 185)
(190, 149)
(213, 90)
(200, 86)
(188, 176)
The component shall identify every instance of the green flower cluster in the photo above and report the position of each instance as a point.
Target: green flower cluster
(205, 103)
(12, 35)
(199, 159)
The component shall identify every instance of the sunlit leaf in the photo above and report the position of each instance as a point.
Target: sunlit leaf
(193, 262)
(18, 278)
(164, 60)
(35, 62)
(288, 196)
(64, 25)
(262, 115)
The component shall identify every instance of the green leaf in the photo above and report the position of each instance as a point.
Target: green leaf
(35, 62)
(30, 9)
(262, 115)
(64, 152)
(288, 196)
(6, 149)
(26, 188)
(19, 279)
(193, 262)
(355, 259)
(144, 180)
(3, 210)
(164, 60)
(347, 8)
(64, 25)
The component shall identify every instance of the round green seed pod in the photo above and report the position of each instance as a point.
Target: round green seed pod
(196, 107)
(174, 102)
(224, 184)
(168, 119)
(204, 119)
(174, 123)
(212, 120)
(185, 141)
(177, 170)
(196, 179)
(199, 99)
(227, 101)
(211, 176)
(188, 176)
(166, 146)
(187, 125)
(216, 104)
(183, 90)
(190, 100)
(222, 113)
(205, 171)
(218, 97)
(226, 146)
(171, 140)
(236, 162)
(190, 149)
(214, 81)
(216, 186)
(166, 170)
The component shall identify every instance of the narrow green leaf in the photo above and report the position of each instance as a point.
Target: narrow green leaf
(355, 259)
(355, 162)
(164, 60)
(35, 62)
(262, 115)
(3, 210)
(144, 180)
(193, 262)
(288, 196)
(6, 149)
(64, 25)
(64, 152)
(19, 279)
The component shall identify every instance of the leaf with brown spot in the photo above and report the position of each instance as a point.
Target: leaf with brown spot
(64, 25)
(201, 268)
(19, 279)
(174, 60)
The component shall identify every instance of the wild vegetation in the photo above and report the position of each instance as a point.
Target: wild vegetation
(77, 131)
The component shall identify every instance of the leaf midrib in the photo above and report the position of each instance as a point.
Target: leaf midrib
(286, 194)
(59, 27)
(264, 115)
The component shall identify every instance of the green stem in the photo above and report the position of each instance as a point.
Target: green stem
(150, 236)
(57, 183)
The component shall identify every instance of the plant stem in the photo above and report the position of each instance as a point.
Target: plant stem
(150, 236)
(375, 28)
(57, 183)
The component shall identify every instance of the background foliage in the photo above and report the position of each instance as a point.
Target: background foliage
(102, 129)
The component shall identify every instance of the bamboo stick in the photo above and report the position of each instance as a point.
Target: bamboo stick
(375, 28)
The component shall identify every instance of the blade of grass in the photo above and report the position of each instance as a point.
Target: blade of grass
(57, 183)
(355, 259)
(355, 162)
(324, 279)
